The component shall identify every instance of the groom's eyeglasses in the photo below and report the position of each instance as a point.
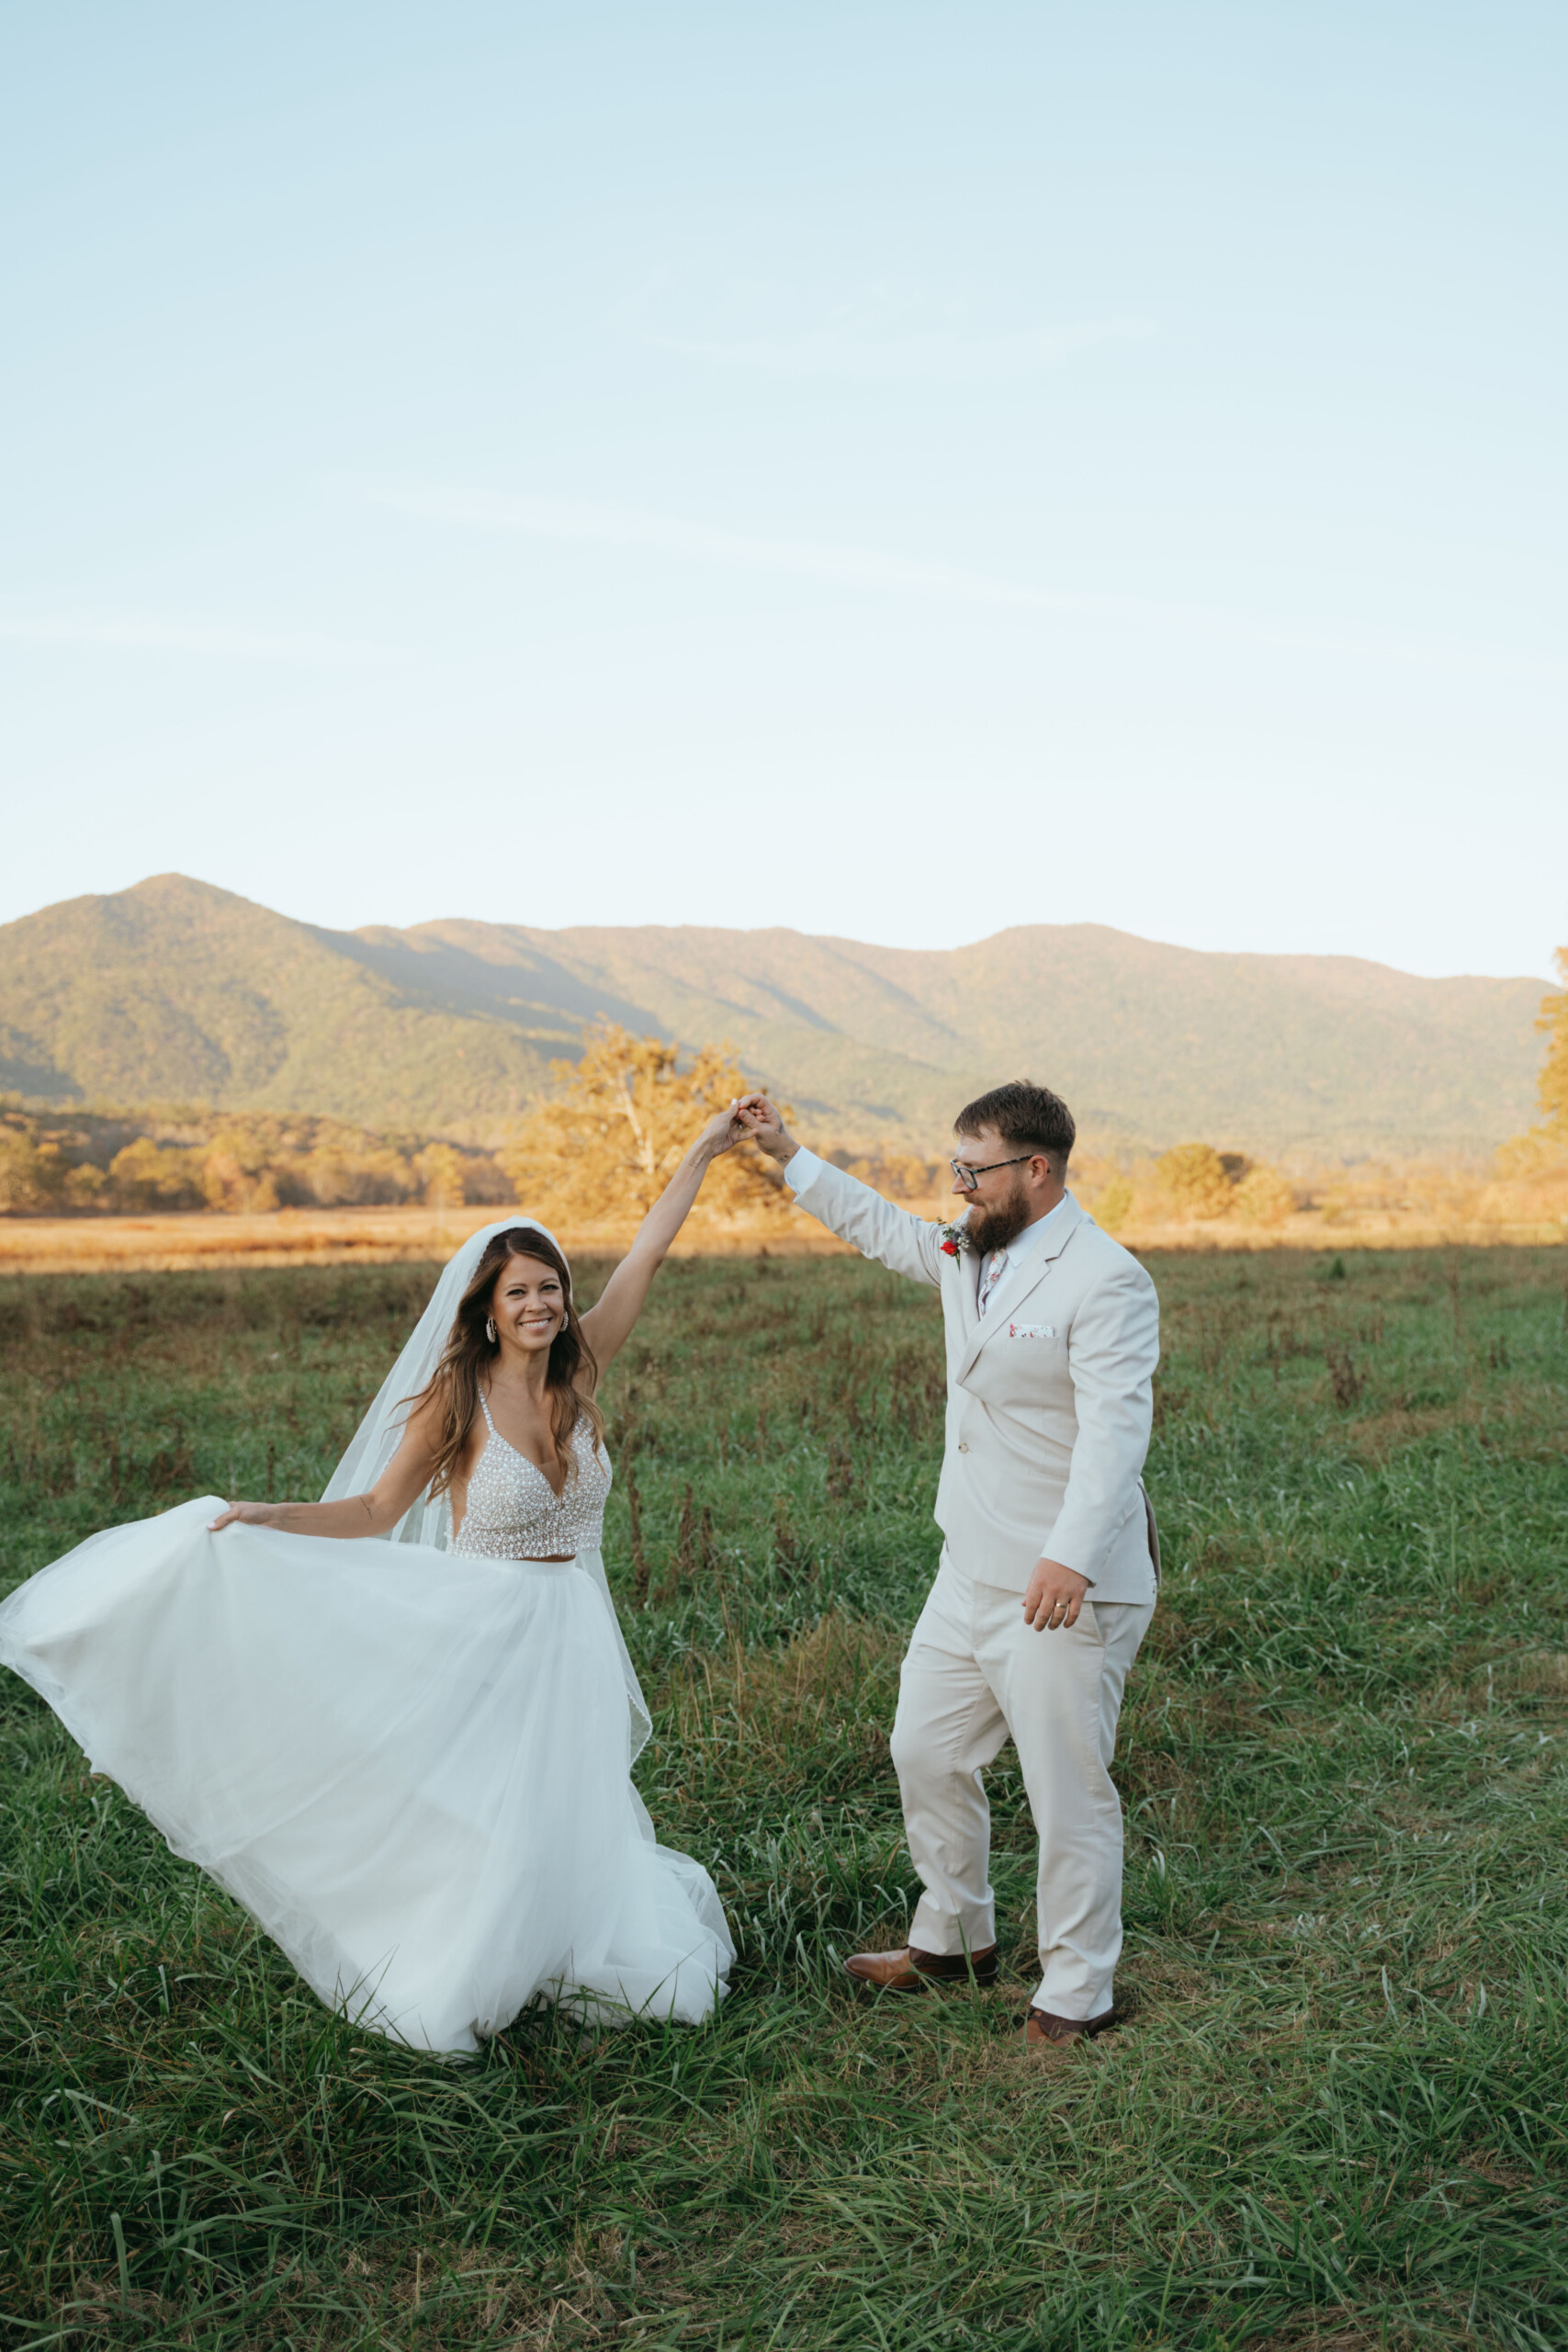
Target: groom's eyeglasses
(969, 1177)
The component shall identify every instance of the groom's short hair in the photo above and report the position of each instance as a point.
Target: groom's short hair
(1030, 1118)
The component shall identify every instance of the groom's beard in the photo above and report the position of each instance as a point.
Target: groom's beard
(993, 1227)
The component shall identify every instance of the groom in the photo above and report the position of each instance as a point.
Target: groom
(1046, 1582)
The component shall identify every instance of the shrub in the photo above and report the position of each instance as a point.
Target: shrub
(1263, 1197)
(1113, 1206)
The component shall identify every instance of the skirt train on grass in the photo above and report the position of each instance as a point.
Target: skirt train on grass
(410, 1765)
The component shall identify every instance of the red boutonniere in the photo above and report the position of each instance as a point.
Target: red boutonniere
(955, 1240)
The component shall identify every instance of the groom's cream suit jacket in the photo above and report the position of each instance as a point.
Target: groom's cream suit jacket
(1049, 1395)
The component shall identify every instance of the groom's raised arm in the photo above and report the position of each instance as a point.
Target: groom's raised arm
(897, 1239)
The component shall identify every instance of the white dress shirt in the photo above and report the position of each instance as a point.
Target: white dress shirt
(1023, 1245)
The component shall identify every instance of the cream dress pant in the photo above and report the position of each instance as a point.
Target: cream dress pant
(976, 1674)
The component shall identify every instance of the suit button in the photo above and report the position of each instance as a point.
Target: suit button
(962, 1445)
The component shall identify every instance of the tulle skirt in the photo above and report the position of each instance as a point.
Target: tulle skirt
(411, 1766)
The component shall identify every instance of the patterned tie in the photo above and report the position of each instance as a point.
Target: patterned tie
(995, 1265)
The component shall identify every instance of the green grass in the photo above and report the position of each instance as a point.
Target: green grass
(1337, 2112)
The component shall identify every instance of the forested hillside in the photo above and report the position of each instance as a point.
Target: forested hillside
(177, 991)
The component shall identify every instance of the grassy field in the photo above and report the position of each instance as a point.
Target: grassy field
(1337, 2112)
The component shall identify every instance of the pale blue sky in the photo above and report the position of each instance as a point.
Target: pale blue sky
(892, 469)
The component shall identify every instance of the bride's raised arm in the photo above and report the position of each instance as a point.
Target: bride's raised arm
(402, 1483)
(608, 1324)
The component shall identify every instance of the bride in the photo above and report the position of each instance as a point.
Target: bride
(408, 1755)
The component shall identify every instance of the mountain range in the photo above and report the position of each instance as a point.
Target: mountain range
(174, 991)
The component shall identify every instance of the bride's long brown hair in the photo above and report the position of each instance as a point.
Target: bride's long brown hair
(470, 1351)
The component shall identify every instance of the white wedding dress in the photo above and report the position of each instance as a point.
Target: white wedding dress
(408, 1758)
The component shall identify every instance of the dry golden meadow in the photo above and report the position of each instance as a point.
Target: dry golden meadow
(1376, 1210)
(1335, 2110)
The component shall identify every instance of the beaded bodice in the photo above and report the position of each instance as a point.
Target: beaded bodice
(514, 1513)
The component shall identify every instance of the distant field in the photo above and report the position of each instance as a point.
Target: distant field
(388, 1236)
(1335, 2112)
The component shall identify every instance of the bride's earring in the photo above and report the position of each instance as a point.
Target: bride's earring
(489, 1328)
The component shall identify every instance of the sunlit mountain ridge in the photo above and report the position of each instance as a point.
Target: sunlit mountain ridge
(177, 991)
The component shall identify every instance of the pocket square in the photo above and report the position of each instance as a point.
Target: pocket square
(1031, 1331)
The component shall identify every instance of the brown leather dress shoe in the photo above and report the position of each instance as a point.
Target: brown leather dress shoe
(1055, 2036)
(909, 1970)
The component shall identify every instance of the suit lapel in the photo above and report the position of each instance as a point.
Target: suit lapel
(1016, 1285)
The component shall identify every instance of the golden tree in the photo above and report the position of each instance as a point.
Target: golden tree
(1194, 1180)
(605, 1145)
(1545, 1145)
(440, 1173)
(1554, 1071)
(237, 1175)
(143, 1176)
(1112, 1205)
(22, 1176)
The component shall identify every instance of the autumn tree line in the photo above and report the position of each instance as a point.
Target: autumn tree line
(600, 1148)
(180, 1158)
(597, 1152)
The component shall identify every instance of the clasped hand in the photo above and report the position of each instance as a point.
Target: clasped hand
(722, 1132)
